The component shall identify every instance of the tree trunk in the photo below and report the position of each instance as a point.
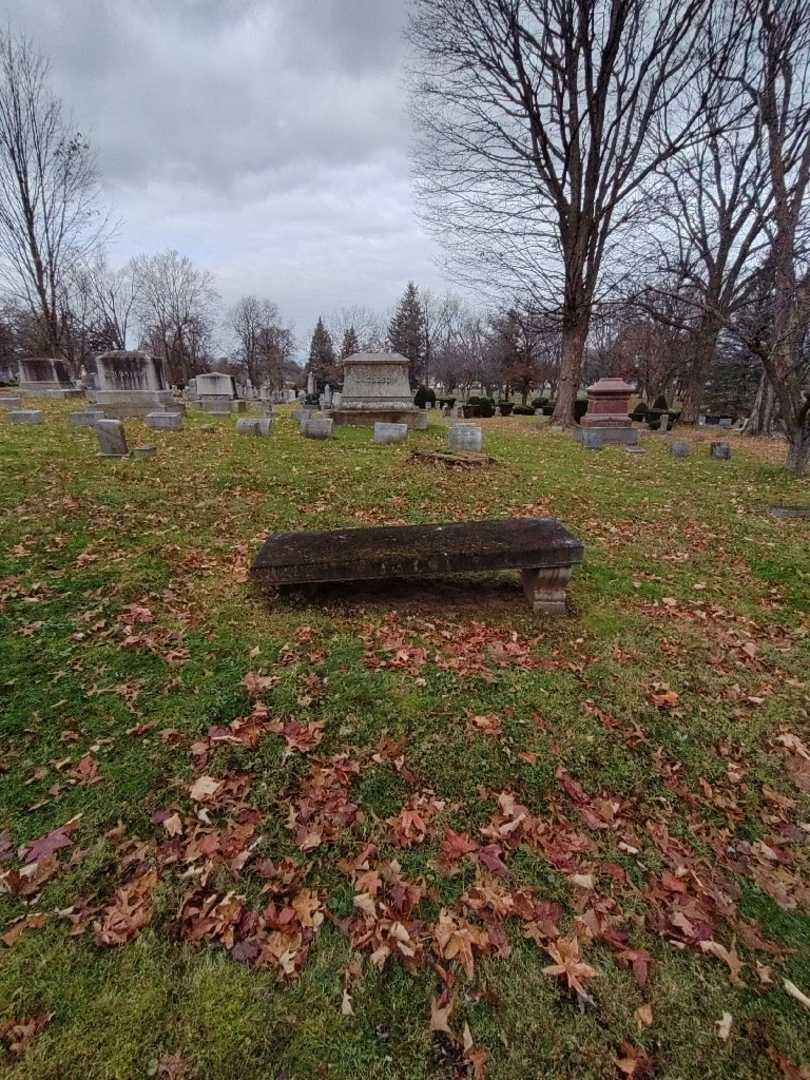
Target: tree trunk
(798, 455)
(763, 412)
(704, 346)
(573, 347)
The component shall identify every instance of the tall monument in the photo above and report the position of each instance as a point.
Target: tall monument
(376, 388)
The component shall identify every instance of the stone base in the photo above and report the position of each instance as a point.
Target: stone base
(611, 436)
(61, 393)
(119, 404)
(370, 417)
(545, 588)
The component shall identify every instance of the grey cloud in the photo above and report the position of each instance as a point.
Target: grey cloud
(265, 138)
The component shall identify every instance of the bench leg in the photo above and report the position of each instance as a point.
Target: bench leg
(545, 588)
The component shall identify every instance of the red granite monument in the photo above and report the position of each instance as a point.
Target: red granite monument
(608, 416)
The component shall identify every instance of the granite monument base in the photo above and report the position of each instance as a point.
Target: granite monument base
(611, 436)
(370, 417)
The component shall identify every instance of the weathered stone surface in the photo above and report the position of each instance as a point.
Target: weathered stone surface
(720, 451)
(725, 422)
(247, 427)
(130, 383)
(663, 423)
(591, 439)
(216, 406)
(215, 384)
(375, 388)
(608, 404)
(679, 449)
(45, 376)
(390, 433)
(143, 451)
(239, 405)
(8, 402)
(318, 428)
(609, 436)
(420, 422)
(86, 417)
(789, 511)
(164, 421)
(111, 438)
(541, 547)
(26, 416)
(465, 437)
(265, 425)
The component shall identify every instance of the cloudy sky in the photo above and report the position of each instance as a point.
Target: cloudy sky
(266, 139)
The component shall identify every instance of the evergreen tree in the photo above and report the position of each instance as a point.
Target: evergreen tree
(406, 332)
(322, 356)
(350, 344)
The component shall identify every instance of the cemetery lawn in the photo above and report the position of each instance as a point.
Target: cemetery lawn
(262, 837)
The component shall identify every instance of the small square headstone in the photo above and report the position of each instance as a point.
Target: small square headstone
(164, 421)
(26, 416)
(389, 433)
(86, 417)
(317, 428)
(720, 451)
(465, 437)
(679, 449)
(111, 438)
(591, 439)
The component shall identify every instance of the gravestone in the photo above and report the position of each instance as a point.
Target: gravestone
(421, 421)
(592, 439)
(215, 386)
(725, 422)
(164, 421)
(679, 449)
(8, 402)
(390, 433)
(609, 413)
(131, 383)
(45, 376)
(318, 428)
(261, 425)
(86, 417)
(111, 438)
(375, 387)
(26, 416)
(663, 423)
(143, 451)
(720, 451)
(784, 511)
(465, 437)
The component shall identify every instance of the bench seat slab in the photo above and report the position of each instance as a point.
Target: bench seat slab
(541, 547)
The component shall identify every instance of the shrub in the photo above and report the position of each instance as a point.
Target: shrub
(523, 410)
(539, 402)
(548, 409)
(448, 401)
(486, 408)
(660, 403)
(580, 408)
(505, 408)
(424, 395)
(639, 413)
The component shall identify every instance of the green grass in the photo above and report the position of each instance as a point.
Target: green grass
(688, 586)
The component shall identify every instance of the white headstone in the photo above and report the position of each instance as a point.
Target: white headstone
(164, 421)
(465, 437)
(111, 438)
(390, 433)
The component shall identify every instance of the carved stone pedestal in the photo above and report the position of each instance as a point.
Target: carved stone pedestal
(545, 588)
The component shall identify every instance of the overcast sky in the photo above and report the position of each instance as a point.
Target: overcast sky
(266, 139)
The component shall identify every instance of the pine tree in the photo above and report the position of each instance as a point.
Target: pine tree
(406, 332)
(350, 344)
(321, 356)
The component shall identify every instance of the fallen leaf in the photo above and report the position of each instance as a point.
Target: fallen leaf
(723, 1026)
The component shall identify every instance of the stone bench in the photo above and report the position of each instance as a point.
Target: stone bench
(541, 548)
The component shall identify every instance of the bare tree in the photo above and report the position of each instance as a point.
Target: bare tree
(778, 84)
(174, 304)
(713, 209)
(264, 345)
(539, 122)
(49, 216)
(369, 326)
